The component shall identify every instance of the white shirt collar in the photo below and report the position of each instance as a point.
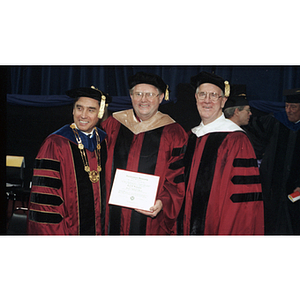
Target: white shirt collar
(221, 124)
(86, 133)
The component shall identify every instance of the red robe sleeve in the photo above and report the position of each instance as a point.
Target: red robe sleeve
(231, 208)
(172, 188)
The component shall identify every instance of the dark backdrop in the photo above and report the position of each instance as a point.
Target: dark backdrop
(263, 82)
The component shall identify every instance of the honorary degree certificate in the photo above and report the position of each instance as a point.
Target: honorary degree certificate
(134, 189)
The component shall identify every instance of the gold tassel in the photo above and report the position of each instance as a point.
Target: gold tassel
(167, 93)
(227, 88)
(102, 107)
(102, 103)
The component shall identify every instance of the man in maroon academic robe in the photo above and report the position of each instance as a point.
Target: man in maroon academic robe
(223, 190)
(68, 194)
(145, 140)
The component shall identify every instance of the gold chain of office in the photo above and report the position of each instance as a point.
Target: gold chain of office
(93, 175)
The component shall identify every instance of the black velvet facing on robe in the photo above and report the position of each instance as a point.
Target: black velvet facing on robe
(204, 181)
(103, 154)
(121, 151)
(147, 164)
(187, 161)
(86, 201)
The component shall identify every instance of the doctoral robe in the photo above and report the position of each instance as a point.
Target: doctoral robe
(278, 140)
(63, 200)
(154, 147)
(223, 190)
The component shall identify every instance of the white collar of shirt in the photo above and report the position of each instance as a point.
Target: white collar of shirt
(86, 133)
(221, 124)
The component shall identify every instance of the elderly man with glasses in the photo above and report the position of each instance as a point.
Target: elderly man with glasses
(145, 140)
(223, 190)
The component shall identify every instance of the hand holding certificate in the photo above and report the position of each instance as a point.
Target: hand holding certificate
(134, 190)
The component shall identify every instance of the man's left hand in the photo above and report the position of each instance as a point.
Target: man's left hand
(154, 210)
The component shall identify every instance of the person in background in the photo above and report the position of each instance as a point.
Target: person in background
(278, 135)
(184, 111)
(237, 107)
(68, 187)
(223, 190)
(145, 140)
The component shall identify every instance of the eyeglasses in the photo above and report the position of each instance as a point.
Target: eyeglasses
(140, 95)
(248, 110)
(212, 96)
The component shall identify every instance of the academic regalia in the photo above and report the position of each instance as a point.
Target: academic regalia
(279, 141)
(63, 200)
(223, 190)
(155, 146)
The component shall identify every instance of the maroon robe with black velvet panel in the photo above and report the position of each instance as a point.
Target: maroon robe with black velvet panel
(158, 151)
(63, 200)
(223, 194)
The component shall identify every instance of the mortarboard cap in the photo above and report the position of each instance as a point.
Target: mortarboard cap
(91, 92)
(205, 77)
(148, 78)
(237, 96)
(292, 96)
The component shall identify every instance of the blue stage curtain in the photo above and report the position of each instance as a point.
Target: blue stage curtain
(263, 82)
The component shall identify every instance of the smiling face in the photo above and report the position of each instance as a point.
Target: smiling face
(145, 100)
(85, 113)
(209, 110)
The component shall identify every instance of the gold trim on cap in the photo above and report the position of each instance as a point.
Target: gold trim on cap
(102, 103)
(167, 93)
(227, 89)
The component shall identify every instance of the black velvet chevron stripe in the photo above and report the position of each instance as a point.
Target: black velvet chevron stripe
(245, 162)
(54, 183)
(179, 179)
(248, 197)
(47, 164)
(178, 151)
(45, 199)
(44, 217)
(245, 179)
(177, 165)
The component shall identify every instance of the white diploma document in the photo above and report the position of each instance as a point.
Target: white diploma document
(134, 189)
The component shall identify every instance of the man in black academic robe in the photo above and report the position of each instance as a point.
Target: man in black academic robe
(278, 135)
